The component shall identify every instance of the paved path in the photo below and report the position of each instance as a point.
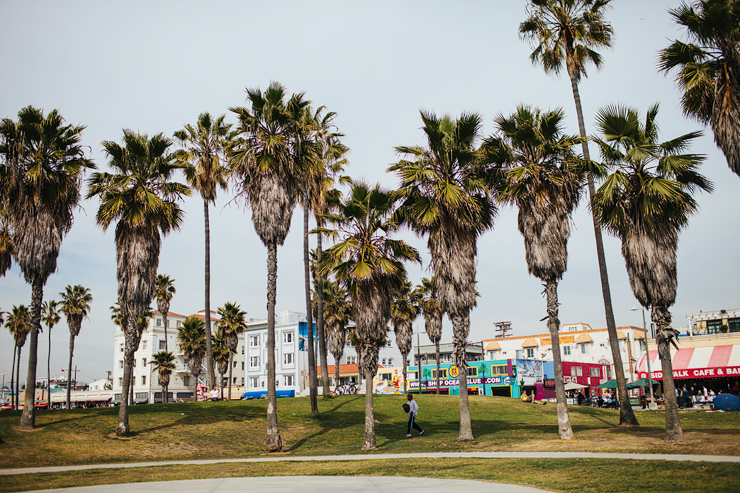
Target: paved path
(323, 484)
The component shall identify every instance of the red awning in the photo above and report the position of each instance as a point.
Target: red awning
(700, 362)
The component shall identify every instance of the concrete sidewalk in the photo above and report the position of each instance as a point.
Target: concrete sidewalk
(324, 484)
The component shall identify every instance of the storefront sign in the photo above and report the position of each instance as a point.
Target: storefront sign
(547, 341)
(496, 380)
(730, 371)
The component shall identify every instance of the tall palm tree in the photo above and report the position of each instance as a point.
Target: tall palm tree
(403, 313)
(202, 157)
(141, 196)
(44, 163)
(337, 312)
(50, 316)
(708, 69)
(567, 33)
(18, 324)
(645, 202)
(222, 358)
(369, 263)
(75, 305)
(269, 183)
(164, 363)
(164, 290)
(543, 177)
(426, 292)
(446, 196)
(192, 336)
(230, 326)
(6, 237)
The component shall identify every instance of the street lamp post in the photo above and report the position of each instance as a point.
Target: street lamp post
(647, 358)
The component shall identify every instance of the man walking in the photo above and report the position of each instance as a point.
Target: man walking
(413, 411)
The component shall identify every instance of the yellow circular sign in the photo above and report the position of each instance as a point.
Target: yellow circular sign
(453, 372)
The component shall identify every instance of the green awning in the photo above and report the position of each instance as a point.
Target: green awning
(609, 384)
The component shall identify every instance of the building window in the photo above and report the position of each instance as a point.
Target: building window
(351, 360)
(120, 381)
(254, 361)
(566, 350)
(242, 365)
(143, 380)
(288, 380)
(254, 341)
(733, 324)
(143, 345)
(288, 359)
(495, 354)
(242, 349)
(499, 370)
(472, 371)
(159, 322)
(234, 364)
(530, 352)
(141, 395)
(385, 377)
(242, 381)
(161, 345)
(594, 372)
(576, 371)
(179, 323)
(254, 382)
(143, 362)
(120, 348)
(585, 348)
(120, 363)
(390, 361)
(233, 380)
(518, 354)
(186, 381)
(442, 373)
(287, 337)
(445, 358)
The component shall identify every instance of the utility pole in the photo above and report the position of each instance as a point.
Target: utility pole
(502, 328)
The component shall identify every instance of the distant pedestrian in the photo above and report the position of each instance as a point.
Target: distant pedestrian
(413, 412)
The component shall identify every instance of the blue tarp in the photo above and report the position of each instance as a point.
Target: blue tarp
(727, 402)
(262, 394)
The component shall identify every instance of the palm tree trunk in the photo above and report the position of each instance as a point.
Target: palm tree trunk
(122, 428)
(18, 379)
(12, 379)
(626, 415)
(436, 349)
(209, 349)
(565, 432)
(321, 330)
(369, 442)
(71, 352)
(274, 443)
(195, 387)
(164, 321)
(460, 329)
(231, 358)
(673, 430)
(133, 384)
(313, 384)
(336, 373)
(405, 372)
(48, 371)
(28, 418)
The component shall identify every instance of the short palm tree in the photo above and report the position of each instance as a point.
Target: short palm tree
(164, 290)
(268, 179)
(645, 202)
(203, 159)
(141, 196)
(192, 336)
(337, 312)
(567, 33)
(75, 305)
(426, 293)
(222, 358)
(44, 163)
(230, 326)
(403, 313)
(708, 69)
(164, 363)
(50, 317)
(446, 196)
(18, 324)
(542, 176)
(369, 263)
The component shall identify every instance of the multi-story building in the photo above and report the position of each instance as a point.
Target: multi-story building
(146, 382)
(578, 343)
(720, 322)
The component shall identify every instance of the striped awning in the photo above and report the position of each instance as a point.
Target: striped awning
(701, 362)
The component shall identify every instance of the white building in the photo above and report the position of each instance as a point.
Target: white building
(578, 343)
(146, 381)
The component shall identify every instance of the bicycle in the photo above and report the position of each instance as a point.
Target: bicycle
(347, 389)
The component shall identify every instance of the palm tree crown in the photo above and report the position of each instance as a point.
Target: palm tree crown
(231, 324)
(75, 305)
(18, 323)
(708, 69)
(192, 337)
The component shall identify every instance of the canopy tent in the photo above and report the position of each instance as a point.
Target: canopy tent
(575, 386)
(609, 384)
(699, 362)
(643, 382)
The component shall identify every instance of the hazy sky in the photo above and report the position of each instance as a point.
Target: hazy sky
(154, 66)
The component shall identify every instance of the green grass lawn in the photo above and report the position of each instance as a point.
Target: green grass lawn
(215, 430)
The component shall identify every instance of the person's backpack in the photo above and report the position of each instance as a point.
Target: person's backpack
(406, 408)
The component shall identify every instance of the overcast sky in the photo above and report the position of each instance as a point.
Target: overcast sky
(154, 66)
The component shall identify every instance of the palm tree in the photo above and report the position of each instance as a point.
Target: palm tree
(50, 316)
(142, 198)
(204, 150)
(403, 313)
(119, 318)
(19, 325)
(543, 177)
(164, 363)
(567, 33)
(269, 183)
(164, 290)
(337, 312)
(446, 196)
(645, 202)
(44, 164)
(708, 69)
(6, 238)
(429, 304)
(230, 326)
(192, 336)
(222, 358)
(369, 263)
(75, 305)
